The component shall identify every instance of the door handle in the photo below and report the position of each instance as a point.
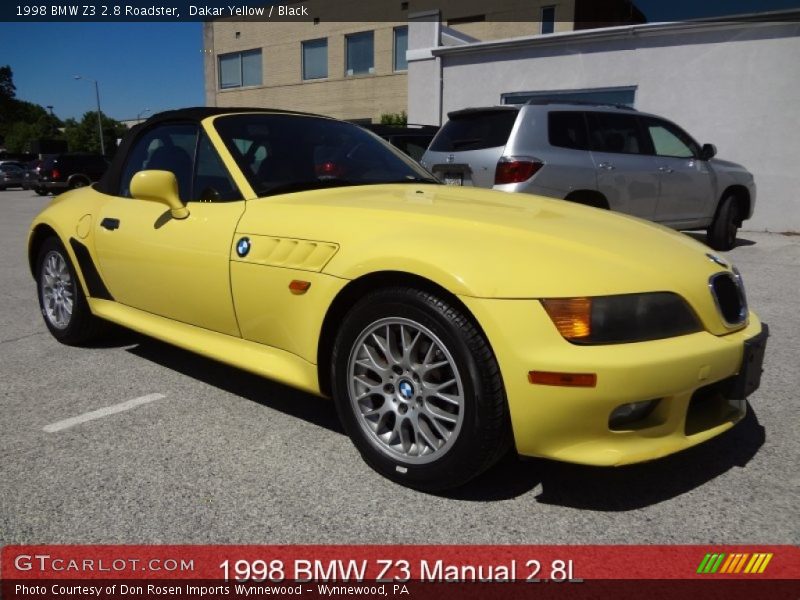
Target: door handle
(607, 166)
(110, 224)
(666, 170)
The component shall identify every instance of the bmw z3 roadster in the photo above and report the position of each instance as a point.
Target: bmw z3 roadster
(448, 324)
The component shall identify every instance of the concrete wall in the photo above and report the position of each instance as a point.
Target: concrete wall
(735, 85)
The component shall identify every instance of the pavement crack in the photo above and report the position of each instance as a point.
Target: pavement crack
(22, 337)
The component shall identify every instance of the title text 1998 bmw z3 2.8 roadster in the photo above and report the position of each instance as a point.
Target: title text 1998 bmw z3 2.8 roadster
(447, 324)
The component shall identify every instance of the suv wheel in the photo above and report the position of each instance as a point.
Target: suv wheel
(78, 182)
(722, 233)
(418, 390)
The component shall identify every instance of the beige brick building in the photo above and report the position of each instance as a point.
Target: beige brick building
(354, 70)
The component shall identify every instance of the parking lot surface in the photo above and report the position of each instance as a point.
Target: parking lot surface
(140, 442)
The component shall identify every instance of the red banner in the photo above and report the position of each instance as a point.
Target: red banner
(123, 571)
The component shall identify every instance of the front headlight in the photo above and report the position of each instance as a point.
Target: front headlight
(620, 319)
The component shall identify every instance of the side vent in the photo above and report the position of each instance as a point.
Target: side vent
(97, 289)
(303, 255)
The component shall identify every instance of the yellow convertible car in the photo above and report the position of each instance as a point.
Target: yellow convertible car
(448, 324)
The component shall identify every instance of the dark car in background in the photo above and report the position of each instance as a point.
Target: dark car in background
(412, 140)
(32, 171)
(11, 175)
(69, 171)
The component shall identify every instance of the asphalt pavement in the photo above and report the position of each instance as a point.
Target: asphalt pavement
(205, 453)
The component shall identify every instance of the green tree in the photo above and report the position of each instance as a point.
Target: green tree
(7, 88)
(22, 122)
(396, 119)
(25, 122)
(7, 93)
(82, 135)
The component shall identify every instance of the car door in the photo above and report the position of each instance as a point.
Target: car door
(626, 173)
(686, 183)
(175, 268)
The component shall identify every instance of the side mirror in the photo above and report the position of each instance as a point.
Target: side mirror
(708, 151)
(161, 187)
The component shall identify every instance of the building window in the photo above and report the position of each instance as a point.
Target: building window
(400, 48)
(622, 96)
(360, 53)
(240, 69)
(315, 59)
(548, 19)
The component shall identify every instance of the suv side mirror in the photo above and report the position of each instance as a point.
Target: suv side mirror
(708, 151)
(161, 187)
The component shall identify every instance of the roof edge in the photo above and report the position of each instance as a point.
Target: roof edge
(773, 18)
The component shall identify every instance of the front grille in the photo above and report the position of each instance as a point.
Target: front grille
(728, 293)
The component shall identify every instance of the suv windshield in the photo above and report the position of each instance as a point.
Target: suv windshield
(282, 153)
(475, 130)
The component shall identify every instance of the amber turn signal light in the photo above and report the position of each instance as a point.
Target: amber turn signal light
(571, 316)
(298, 287)
(563, 379)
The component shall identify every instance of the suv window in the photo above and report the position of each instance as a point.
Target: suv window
(670, 140)
(617, 133)
(567, 129)
(166, 148)
(475, 131)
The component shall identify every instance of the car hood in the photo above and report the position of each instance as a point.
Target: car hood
(730, 167)
(486, 243)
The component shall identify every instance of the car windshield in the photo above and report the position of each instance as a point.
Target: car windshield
(282, 153)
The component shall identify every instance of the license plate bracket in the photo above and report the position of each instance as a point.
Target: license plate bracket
(749, 378)
(453, 179)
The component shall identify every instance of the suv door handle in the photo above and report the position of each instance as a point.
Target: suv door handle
(606, 165)
(666, 170)
(110, 224)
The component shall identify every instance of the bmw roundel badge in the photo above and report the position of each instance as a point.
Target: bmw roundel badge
(243, 247)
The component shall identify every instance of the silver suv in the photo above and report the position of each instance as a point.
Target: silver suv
(609, 157)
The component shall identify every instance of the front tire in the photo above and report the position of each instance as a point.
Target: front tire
(61, 300)
(722, 233)
(418, 390)
(42, 191)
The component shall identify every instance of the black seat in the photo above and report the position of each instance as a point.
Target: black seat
(615, 142)
(177, 161)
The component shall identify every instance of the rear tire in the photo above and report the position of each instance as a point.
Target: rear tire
(78, 182)
(418, 390)
(722, 233)
(41, 191)
(61, 300)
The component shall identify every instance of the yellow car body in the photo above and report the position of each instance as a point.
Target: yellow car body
(182, 280)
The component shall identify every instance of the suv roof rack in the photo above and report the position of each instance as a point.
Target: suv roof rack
(545, 100)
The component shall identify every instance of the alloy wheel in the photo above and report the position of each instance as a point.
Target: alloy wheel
(405, 390)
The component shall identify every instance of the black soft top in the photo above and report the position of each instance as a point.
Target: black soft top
(109, 184)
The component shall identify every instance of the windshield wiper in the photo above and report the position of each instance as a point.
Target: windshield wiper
(428, 180)
(462, 144)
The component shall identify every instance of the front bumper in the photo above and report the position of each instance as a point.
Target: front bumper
(689, 375)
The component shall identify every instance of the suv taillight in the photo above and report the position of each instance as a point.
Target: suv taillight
(515, 169)
(55, 174)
